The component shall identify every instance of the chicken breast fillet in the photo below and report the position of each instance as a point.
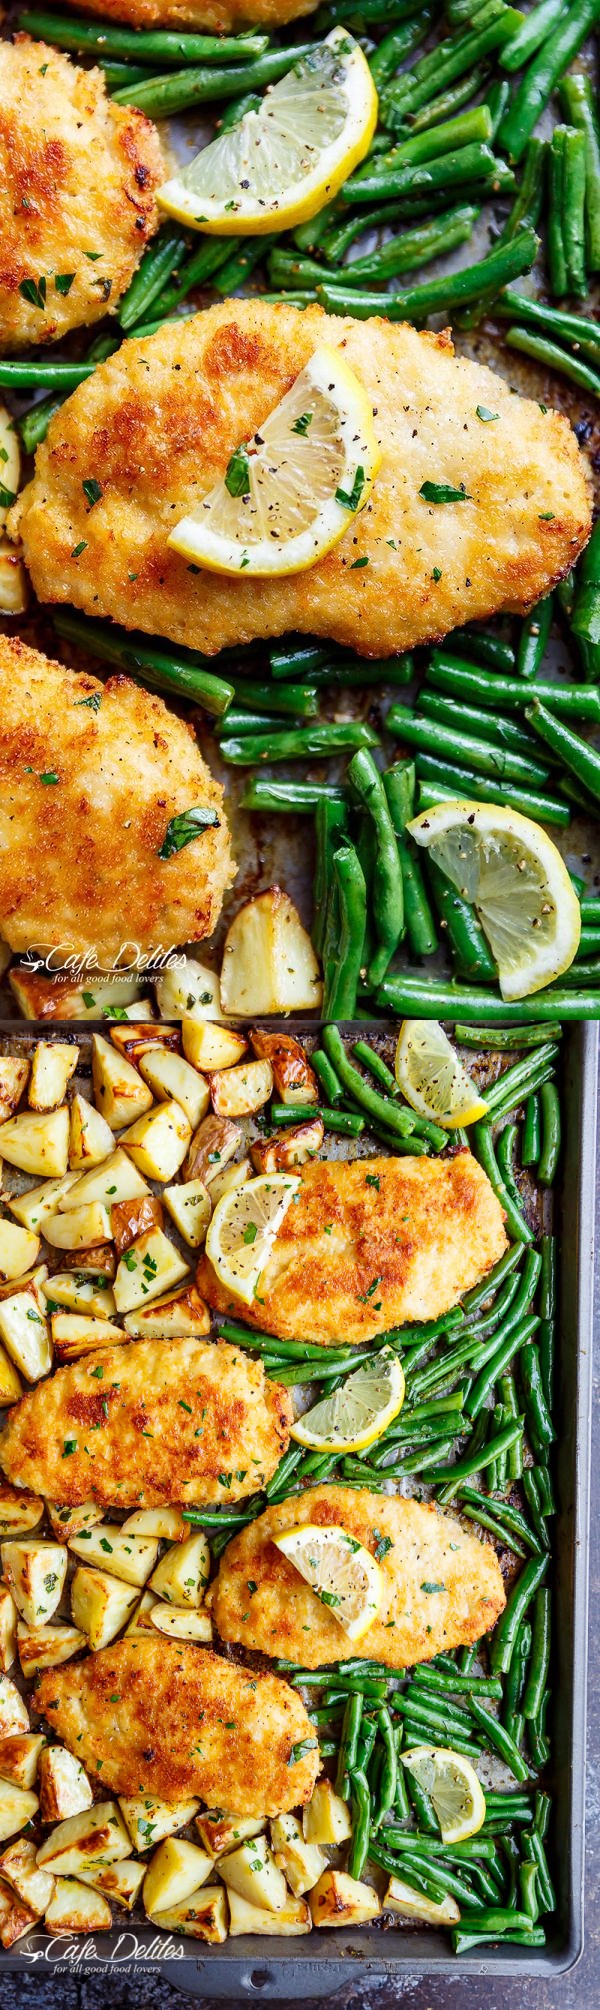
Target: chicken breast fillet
(159, 421)
(162, 1717)
(218, 16)
(78, 177)
(370, 1244)
(442, 1588)
(167, 1420)
(91, 776)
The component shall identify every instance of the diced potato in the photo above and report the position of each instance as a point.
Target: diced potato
(140, 1623)
(53, 1064)
(91, 1139)
(252, 1871)
(293, 1917)
(20, 1756)
(120, 1093)
(74, 1908)
(182, 1575)
(190, 988)
(176, 1869)
(234, 1175)
(10, 1386)
(80, 1228)
(120, 1881)
(118, 1179)
(165, 1524)
(26, 1335)
(340, 1900)
(158, 1142)
(326, 1817)
(179, 1315)
(68, 1521)
(79, 1294)
(40, 997)
(190, 1207)
(72, 1335)
(35, 1569)
(18, 1865)
(138, 1040)
(180, 1625)
(213, 1145)
(209, 1046)
(269, 964)
(19, 1510)
(149, 1268)
(80, 1840)
(203, 1916)
(403, 1898)
(295, 1080)
(140, 1010)
(14, 1715)
(37, 1144)
(100, 1605)
(238, 1092)
(34, 1208)
(8, 1629)
(64, 1786)
(16, 1918)
(288, 1148)
(130, 1557)
(149, 1819)
(17, 1805)
(13, 1080)
(41, 1647)
(220, 1832)
(301, 1862)
(171, 1077)
(132, 1218)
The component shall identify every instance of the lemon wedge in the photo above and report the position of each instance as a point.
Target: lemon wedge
(279, 165)
(243, 1228)
(511, 871)
(344, 1575)
(432, 1078)
(289, 494)
(357, 1413)
(452, 1785)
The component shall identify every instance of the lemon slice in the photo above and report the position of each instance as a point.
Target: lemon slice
(279, 165)
(452, 1785)
(343, 1574)
(432, 1078)
(243, 1228)
(515, 878)
(357, 1413)
(289, 494)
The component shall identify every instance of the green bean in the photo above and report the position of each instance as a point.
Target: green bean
(540, 1065)
(549, 353)
(436, 1679)
(361, 1823)
(440, 1714)
(443, 295)
(557, 262)
(156, 266)
(480, 1293)
(453, 57)
(413, 1866)
(264, 793)
(532, 1135)
(163, 97)
(486, 644)
(474, 1462)
(298, 699)
(389, 1770)
(577, 100)
(240, 721)
(538, 1416)
(578, 756)
(43, 374)
(528, 201)
(451, 742)
(551, 1133)
(198, 269)
(331, 823)
(399, 785)
(585, 621)
(466, 1938)
(499, 1738)
(375, 1066)
(392, 178)
(540, 1654)
(412, 249)
(484, 1151)
(514, 1682)
(420, 1801)
(519, 1600)
(468, 129)
(466, 680)
(342, 970)
(489, 1520)
(505, 1148)
(393, 48)
(573, 221)
(440, 782)
(320, 741)
(534, 636)
(471, 956)
(508, 1517)
(532, 32)
(533, 1850)
(543, 73)
(184, 674)
(577, 331)
(475, 719)
(447, 102)
(399, 1120)
(387, 887)
(348, 1744)
(149, 47)
(238, 267)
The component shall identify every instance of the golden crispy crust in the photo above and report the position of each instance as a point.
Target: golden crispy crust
(78, 177)
(79, 858)
(353, 1257)
(414, 1623)
(161, 1717)
(158, 422)
(215, 15)
(180, 1413)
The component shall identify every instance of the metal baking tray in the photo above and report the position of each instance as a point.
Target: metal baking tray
(292, 1970)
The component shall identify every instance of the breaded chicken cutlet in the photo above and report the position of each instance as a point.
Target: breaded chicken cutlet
(167, 1420)
(162, 1717)
(370, 1244)
(78, 177)
(159, 421)
(442, 1587)
(91, 777)
(217, 16)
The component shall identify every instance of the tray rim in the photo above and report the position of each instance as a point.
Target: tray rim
(273, 1969)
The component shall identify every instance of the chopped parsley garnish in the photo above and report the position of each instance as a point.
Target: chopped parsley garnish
(76, 553)
(92, 490)
(432, 1587)
(487, 416)
(34, 290)
(237, 477)
(7, 497)
(300, 1750)
(183, 828)
(351, 501)
(443, 492)
(302, 424)
(63, 281)
(383, 1544)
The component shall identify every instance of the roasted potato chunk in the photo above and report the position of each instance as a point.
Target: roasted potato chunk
(158, 1142)
(13, 1080)
(172, 1079)
(37, 1144)
(81, 1840)
(32, 1885)
(295, 1080)
(176, 1870)
(209, 1046)
(91, 1139)
(149, 1819)
(20, 1757)
(16, 1918)
(340, 1900)
(213, 1145)
(121, 1095)
(131, 1218)
(251, 1870)
(175, 1316)
(74, 1908)
(190, 1207)
(53, 1064)
(293, 1917)
(35, 1571)
(41, 1647)
(288, 1148)
(188, 987)
(239, 1092)
(26, 1335)
(269, 964)
(117, 1179)
(138, 1040)
(100, 1605)
(151, 1266)
(64, 1786)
